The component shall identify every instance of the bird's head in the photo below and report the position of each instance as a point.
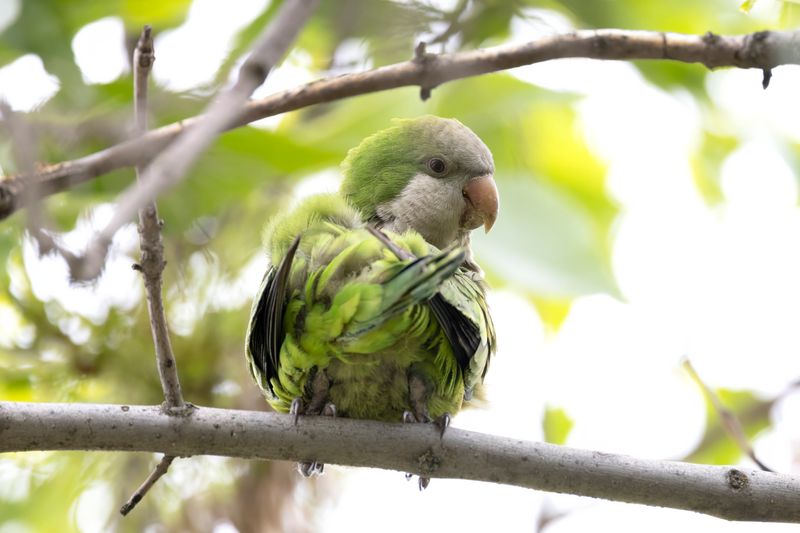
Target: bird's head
(429, 174)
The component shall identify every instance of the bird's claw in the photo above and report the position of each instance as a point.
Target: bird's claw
(296, 409)
(443, 422)
(310, 468)
(423, 482)
(329, 410)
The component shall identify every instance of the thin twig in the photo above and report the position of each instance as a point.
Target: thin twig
(152, 267)
(24, 148)
(160, 469)
(170, 167)
(728, 419)
(730, 492)
(757, 50)
(152, 261)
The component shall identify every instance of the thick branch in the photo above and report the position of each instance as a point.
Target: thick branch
(762, 50)
(726, 492)
(171, 166)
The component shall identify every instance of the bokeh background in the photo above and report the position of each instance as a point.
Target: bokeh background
(649, 212)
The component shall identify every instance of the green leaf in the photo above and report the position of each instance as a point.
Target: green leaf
(717, 447)
(556, 424)
(545, 242)
(747, 5)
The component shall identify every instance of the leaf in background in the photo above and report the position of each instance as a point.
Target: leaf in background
(706, 163)
(545, 242)
(556, 424)
(161, 15)
(552, 311)
(556, 152)
(717, 447)
(684, 16)
(747, 5)
(675, 75)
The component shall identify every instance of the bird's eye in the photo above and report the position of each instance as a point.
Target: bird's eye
(437, 166)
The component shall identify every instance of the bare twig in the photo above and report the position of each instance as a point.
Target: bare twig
(24, 148)
(174, 162)
(152, 267)
(727, 492)
(762, 50)
(152, 261)
(160, 469)
(728, 420)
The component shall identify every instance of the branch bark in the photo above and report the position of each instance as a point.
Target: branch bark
(727, 492)
(762, 50)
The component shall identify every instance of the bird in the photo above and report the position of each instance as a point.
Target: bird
(373, 306)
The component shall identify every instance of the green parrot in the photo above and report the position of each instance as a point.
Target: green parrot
(373, 306)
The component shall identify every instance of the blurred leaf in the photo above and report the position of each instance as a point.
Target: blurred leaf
(747, 5)
(162, 14)
(706, 163)
(717, 447)
(545, 242)
(557, 152)
(552, 311)
(557, 424)
(675, 75)
(790, 15)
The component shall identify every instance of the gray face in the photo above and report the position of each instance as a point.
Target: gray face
(447, 155)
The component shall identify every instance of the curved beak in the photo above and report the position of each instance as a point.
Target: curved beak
(483, 201)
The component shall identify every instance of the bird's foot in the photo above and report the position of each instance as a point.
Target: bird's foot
(310, 468)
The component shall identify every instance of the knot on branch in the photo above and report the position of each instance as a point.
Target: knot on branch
(423, 58)
(428, 462)
(144, 47)
(755, 51)
(737, 480)
(710, 38)
(182, 411)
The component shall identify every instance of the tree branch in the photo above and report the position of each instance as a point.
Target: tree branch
(157, 473)
(762, 50)
(170, 167)
(726, 492)
(152, 262)
(152, 266)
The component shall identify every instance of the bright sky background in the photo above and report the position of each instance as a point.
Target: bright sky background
(717, 284)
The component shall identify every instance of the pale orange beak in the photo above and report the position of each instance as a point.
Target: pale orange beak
(483, 202)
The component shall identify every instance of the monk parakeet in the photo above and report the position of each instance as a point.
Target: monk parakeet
(373, 306)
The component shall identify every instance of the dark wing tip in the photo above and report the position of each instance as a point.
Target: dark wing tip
(266, 332)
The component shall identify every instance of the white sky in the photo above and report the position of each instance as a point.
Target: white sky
(717, 284)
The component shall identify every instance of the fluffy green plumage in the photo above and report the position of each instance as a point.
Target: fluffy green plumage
(351, 321)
